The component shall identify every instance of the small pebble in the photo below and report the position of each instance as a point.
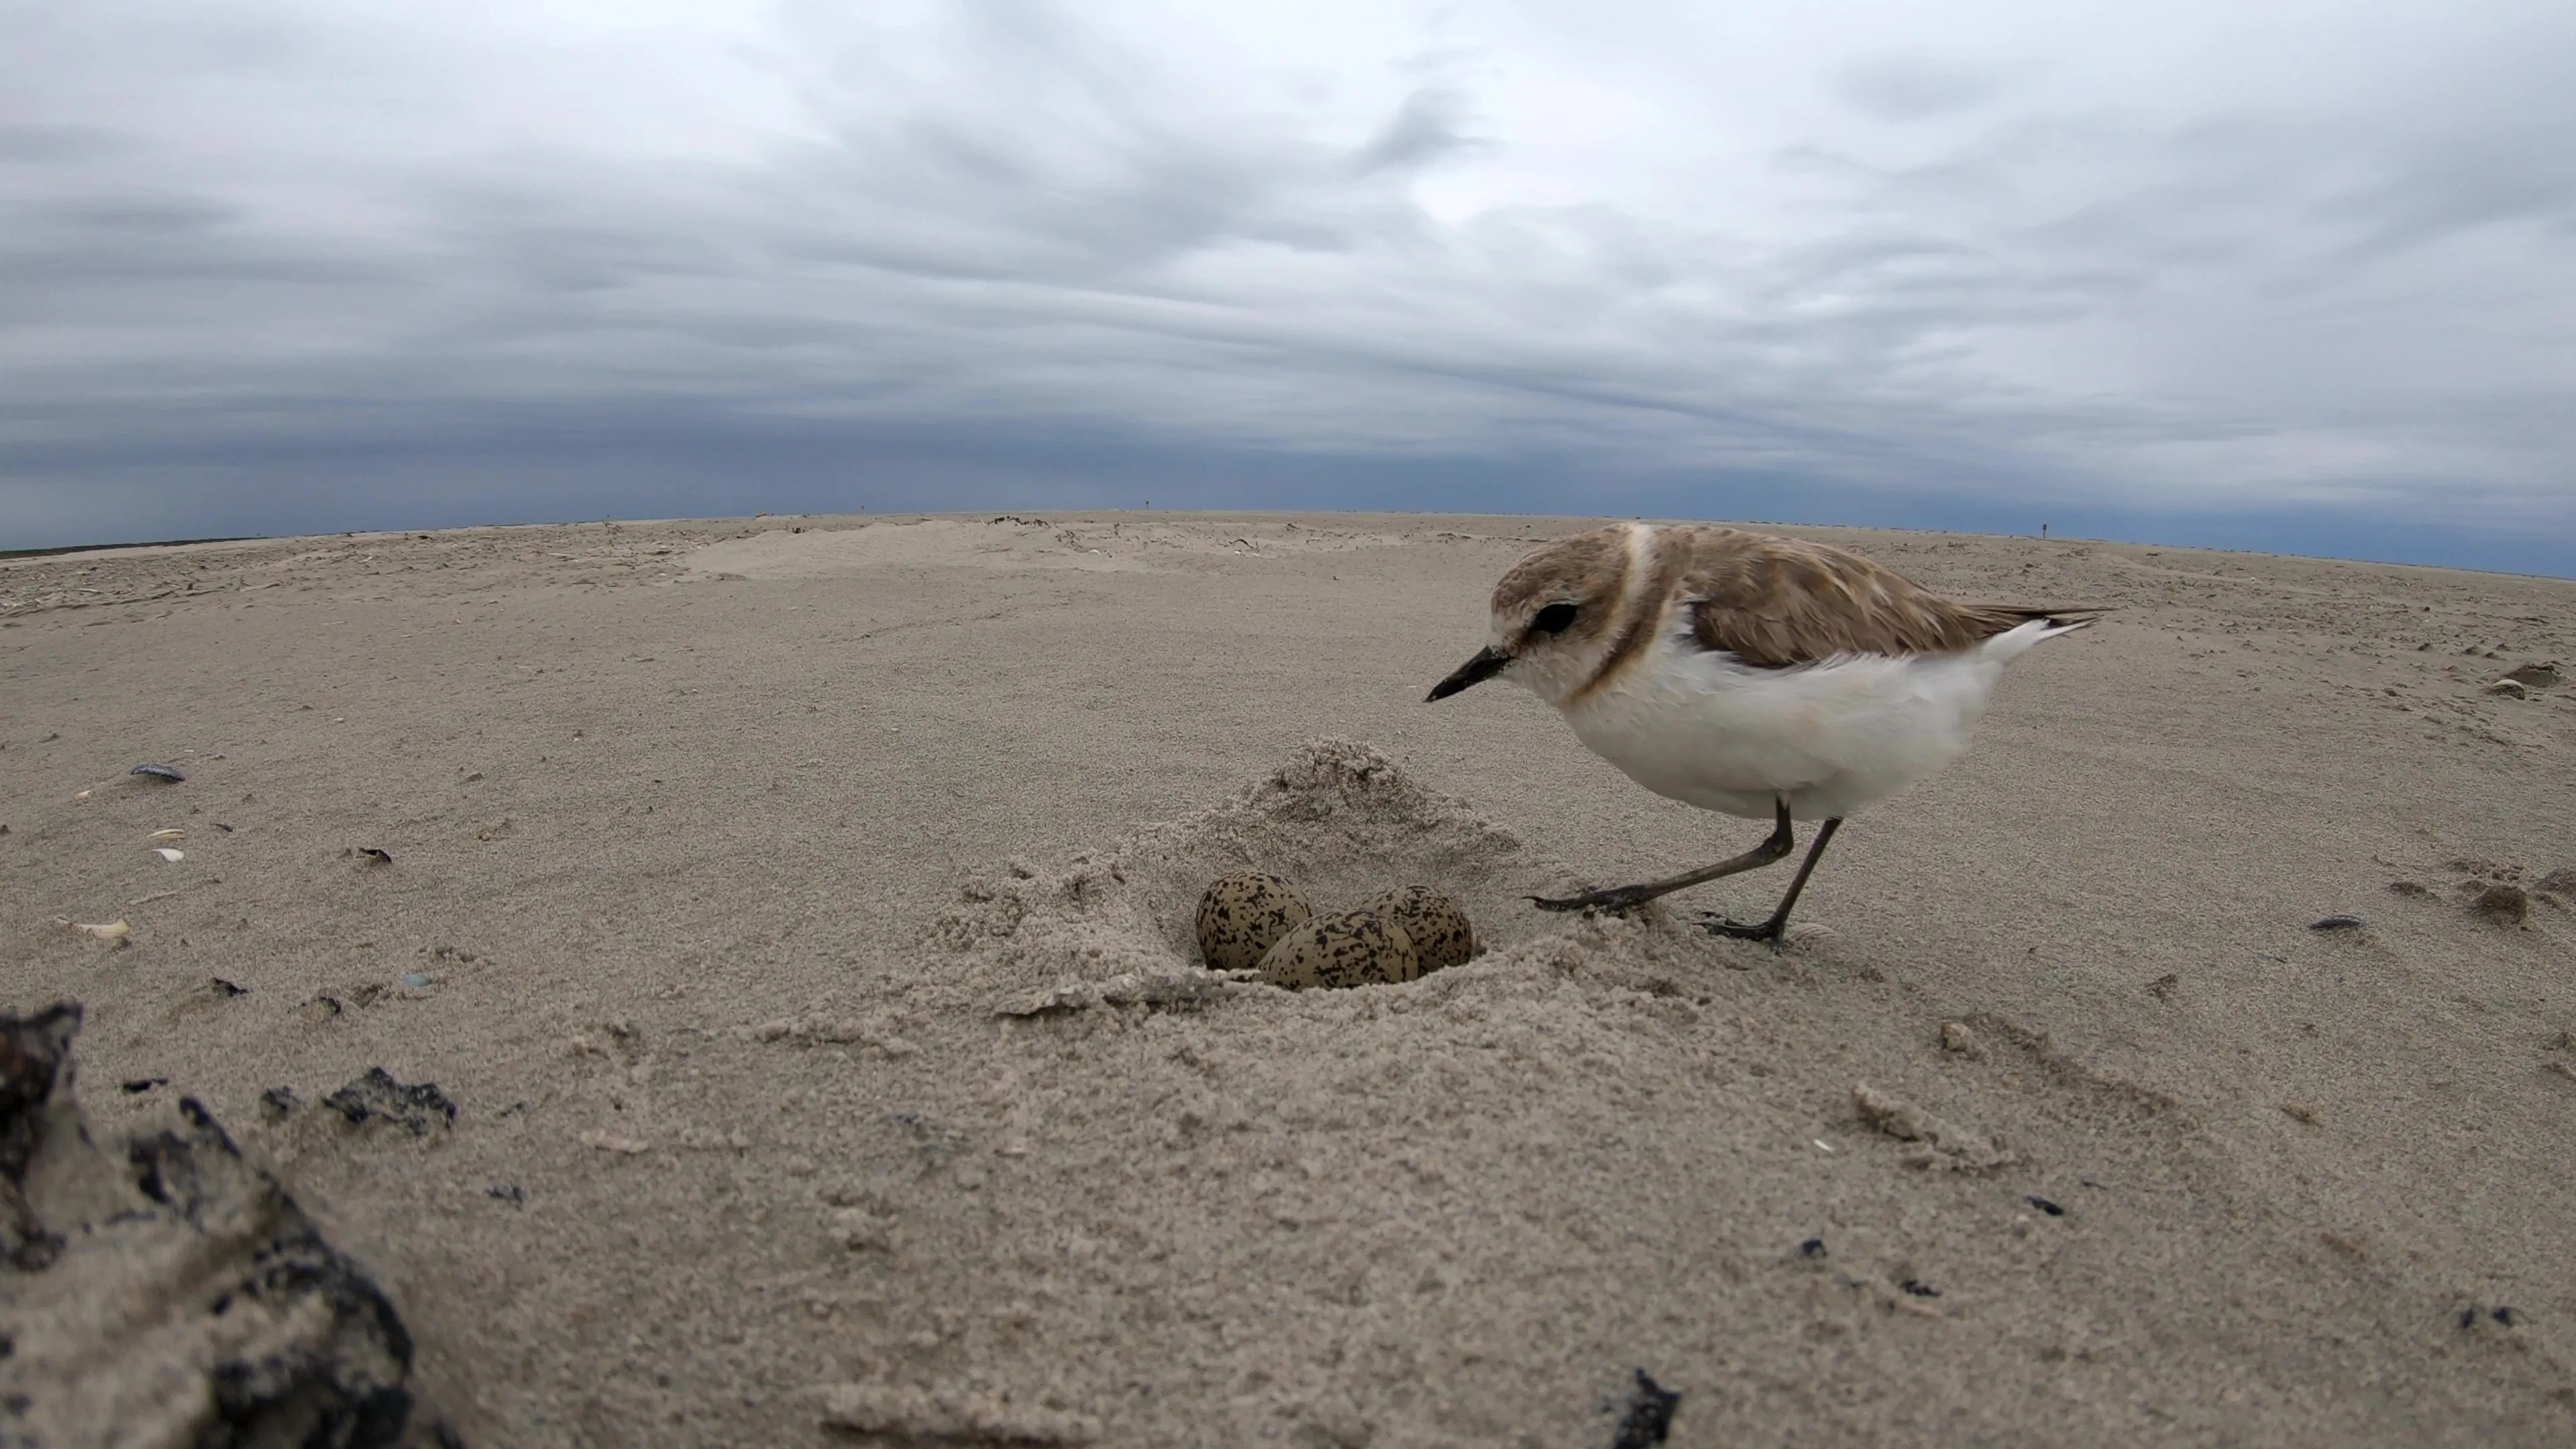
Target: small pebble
(158, 772)
(414, 980)
(2338, 923)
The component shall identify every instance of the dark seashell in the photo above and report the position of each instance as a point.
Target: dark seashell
(378, 1095)
(158, 772)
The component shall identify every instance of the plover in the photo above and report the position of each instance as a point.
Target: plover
(1764, 677)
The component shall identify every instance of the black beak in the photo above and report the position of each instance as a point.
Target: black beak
(1489, 661)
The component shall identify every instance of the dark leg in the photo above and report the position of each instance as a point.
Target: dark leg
(1770, 930)
(1624, 897)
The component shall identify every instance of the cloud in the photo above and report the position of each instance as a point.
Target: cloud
(1423, 131)
(389, 255)
(1912, 88)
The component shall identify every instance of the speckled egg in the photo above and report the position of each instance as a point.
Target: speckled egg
(1357, 947)
(1442, 934)
(1242, 915)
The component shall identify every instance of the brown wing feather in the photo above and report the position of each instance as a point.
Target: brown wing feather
(1777, 602)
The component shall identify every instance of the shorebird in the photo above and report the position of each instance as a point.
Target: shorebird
(1764, 677)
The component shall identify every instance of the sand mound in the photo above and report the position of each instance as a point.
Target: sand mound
(1341, 820)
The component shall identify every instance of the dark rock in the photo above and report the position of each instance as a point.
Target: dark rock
(35, 1063)
(1648, 1417)
(235, 1313)
(158, 772)
(378, 1095)
(2338, 923)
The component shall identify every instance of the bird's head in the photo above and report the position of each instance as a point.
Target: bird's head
(1558, 615)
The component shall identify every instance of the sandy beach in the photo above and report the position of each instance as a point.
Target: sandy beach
(796, 914)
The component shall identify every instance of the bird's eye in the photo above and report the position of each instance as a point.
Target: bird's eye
(1554, 619)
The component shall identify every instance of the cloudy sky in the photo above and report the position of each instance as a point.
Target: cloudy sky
(2285, 275)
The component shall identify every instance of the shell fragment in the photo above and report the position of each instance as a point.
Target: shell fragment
(166, 853)
(116, 930)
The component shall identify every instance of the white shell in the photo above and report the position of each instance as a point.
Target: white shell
(116, 930)
(166, 853)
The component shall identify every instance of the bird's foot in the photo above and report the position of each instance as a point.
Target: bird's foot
(1611, 901)
(1769, 930)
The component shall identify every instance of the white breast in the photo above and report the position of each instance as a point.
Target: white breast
(1832, 737)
